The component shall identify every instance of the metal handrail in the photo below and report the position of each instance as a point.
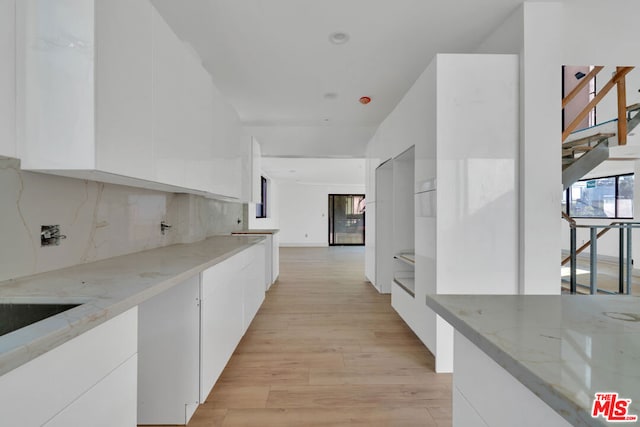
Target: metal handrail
(606, 228)
(624, 267)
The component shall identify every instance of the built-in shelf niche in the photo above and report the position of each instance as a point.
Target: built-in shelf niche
(408, 258)
(406, 281)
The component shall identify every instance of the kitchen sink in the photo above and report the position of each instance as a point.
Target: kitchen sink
(14, 316)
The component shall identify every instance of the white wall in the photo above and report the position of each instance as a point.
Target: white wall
(535, 32)
(7, 79)
(597, 32)
(507, 37)
(303, 212)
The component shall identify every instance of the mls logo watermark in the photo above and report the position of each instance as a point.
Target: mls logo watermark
(612, 408)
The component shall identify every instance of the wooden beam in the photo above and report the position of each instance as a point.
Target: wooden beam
(623, 71)
(583, 82)
(622, 109)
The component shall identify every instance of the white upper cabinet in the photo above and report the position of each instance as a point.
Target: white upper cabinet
(107, 91)
(123, 88)
(7, 79)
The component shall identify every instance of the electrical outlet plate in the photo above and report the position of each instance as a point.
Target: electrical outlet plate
(50, 235)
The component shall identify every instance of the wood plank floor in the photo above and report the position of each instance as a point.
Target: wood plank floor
(327, 350)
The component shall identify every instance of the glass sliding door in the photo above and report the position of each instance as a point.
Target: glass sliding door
(346, 219)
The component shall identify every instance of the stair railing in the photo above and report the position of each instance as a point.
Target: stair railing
(618, 80)
(624, 263)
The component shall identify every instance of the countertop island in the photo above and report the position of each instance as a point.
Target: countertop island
(562, 349)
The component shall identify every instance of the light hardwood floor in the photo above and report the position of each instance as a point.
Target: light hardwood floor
(327, 350)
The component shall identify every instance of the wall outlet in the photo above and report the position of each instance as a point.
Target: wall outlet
(50, 235)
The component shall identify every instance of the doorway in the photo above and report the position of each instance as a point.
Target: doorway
(346, 220)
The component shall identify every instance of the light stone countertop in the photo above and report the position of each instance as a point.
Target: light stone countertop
(563, 348)
(105, 289)
(258, 231)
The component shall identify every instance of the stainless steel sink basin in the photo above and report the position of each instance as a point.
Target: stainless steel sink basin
(14, 316)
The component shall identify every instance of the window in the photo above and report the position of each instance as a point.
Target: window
(261, 208)
(607, 197)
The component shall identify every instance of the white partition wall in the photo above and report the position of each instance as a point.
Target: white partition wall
(403, 284)
(462, 116)
(384, 227)
(476, 242)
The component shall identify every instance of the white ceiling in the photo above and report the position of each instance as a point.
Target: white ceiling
(315, 171)
(273, 60)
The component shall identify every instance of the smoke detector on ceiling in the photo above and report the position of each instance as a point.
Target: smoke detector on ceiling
(338, 37)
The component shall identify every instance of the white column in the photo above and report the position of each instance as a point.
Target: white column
(540, 140)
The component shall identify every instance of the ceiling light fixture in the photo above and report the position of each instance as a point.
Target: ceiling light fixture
(330, 95)
(365, 100)
(338, 37)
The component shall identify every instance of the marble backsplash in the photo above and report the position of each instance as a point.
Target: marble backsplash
(99, 220)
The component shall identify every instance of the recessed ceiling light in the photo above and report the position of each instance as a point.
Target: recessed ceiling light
(330, 95)
(365, 100)
(326, 120)
(338, 37)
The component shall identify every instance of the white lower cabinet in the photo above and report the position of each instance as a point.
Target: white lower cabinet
(485, 394)
(153, 364)
(168, 354)
(252, 277)
(231, 292)
(118, 390)
(221, 320)
(89, 380)
(275, 258)
(188, 333)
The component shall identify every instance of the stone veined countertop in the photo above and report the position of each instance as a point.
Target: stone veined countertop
(104, 289)
(257, 231)
(564, 348)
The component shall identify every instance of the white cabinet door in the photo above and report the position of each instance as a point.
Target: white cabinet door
(7, 79)
(55, 84)
(42, 388)
(118, 388)
(275, 257)
(123, 83)
(168, 104)
(231, 294)
(198, 122)
(253, 278)
(221, 324)
(169, 355)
